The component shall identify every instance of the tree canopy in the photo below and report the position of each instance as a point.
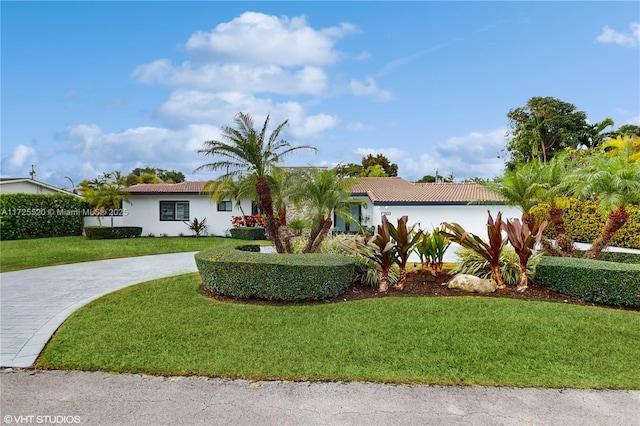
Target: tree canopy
(372, 166)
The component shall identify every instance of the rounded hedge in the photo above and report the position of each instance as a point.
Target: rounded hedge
(238, 272)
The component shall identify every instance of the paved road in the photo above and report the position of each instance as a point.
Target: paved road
(101, 398)
(35, 302)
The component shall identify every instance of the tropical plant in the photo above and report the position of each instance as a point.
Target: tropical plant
(431, 248)
(472, 263)
(197, 226)
(231, 189)
(520, 188)
(105, 194)
(322, 193)
(490, 251)
(245, 150)
(627, 146)
(404, 240)
(614, 182)
(523, 242)
(374, 260)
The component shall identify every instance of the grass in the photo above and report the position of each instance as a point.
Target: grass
(34, 253)
(167, 327)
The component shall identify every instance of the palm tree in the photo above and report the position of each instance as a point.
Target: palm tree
(107, 197)
(520, 187)
(614, 182)
(628, 147)
(553, 177)
(322, 193)
(221, 190)
(243, 150)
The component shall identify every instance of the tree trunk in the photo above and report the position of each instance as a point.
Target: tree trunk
(326, 227)
(264, 192)
(384, 282)
(564, 242)
(497, 275)
(402, 279)
(616, 220)
(314, 234)
(524, 279)
(529, 220)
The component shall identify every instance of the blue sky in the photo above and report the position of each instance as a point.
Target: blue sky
(91, 87)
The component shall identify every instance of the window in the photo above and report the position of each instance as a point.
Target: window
(224, 206)
(174, 210)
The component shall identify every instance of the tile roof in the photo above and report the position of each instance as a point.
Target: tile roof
(166, 188)
(397, 190)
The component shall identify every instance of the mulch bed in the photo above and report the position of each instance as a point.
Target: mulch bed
(424, 284)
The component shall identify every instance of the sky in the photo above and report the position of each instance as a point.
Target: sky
(92, 87)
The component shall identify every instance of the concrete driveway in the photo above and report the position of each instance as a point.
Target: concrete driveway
(35, 302)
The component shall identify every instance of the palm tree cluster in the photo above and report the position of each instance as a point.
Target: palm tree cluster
(252, 165)
(609, 175)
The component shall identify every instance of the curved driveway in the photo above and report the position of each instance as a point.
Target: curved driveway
(35, 302)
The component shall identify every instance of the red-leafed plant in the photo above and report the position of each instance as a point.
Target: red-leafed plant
(490, 251)
(250, 221)
(523, 241)
(404, 241)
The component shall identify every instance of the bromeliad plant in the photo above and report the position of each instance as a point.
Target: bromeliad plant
(405, 241)
(490, 250)
(431, 248)
(197, 226)
(523, 241)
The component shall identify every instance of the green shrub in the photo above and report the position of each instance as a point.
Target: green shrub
(591, 280)
(583, 222)
(472, 263)
(615, 256)
(288, 277)
(40, 215)
(248, 233)
(108, 233)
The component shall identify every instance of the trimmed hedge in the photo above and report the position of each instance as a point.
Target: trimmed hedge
(248, 233)
(40, 215)
(237, 272)
(598, 281)
(615, 256)
(108, 233)
(583, 222)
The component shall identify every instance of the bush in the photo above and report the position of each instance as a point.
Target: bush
(591, 280)
(108, 233)
(248, 233)
(583, 222)
(288, 277)
(40, 215)
(615, 256)
(472, 263)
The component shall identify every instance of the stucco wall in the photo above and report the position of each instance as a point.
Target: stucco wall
(25, 187)
(473, 218)
(144, 211)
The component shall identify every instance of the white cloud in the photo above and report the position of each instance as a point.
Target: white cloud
(21, 156)
(265, 39)
(359, 127)
(368, 88)
(390, 153)
(235, 77)
(471, 155)
(630, 39)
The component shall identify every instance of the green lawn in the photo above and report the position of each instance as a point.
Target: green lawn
(34, 253)
(167, 327)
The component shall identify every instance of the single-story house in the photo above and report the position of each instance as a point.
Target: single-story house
(161, 209)
(29, 186)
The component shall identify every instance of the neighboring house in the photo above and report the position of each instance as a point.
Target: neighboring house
(29, 186)
(162, 208)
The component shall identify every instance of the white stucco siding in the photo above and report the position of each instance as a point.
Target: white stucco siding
(144, 211)
(25, 187)
(472, 218)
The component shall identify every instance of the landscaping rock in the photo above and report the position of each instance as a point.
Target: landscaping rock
(472, 283)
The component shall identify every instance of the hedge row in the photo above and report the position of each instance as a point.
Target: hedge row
(598, 281)
(248, 233)
(289, 277)
(40, 215)
(111, 233)
(583, 222)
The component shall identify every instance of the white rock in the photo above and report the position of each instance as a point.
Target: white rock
(472, 283)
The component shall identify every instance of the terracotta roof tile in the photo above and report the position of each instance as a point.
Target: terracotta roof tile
(398, 190)
(166, 188)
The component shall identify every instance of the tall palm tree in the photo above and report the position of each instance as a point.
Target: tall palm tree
(614, 182)
(243, 149)
(520, 188)
(107, 197)
(323, 193)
